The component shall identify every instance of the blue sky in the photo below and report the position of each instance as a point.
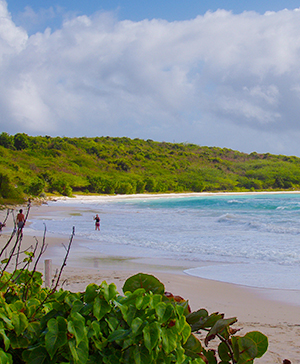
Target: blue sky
(135, 10)
(217, 73)
(168, 9)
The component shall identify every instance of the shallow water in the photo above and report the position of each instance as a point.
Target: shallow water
(254, 238)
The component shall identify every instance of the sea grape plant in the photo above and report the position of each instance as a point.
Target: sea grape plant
(145, 325)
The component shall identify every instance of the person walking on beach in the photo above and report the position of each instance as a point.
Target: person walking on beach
(97, 222)
(20, 220)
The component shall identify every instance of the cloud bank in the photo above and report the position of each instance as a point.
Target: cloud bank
(219, 79)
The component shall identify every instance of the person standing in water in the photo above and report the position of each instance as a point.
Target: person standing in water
(97, 222)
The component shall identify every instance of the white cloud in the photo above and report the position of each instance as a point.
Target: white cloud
(12, 38)
(219, 79)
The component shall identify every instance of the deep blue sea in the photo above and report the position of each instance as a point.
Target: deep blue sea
(251, 239)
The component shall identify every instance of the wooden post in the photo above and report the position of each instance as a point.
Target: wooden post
(48, 272)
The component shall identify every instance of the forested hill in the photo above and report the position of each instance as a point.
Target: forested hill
(34, 165)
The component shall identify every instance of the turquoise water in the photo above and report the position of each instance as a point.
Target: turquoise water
(248, 239)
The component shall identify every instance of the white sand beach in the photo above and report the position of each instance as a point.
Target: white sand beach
(256, 309)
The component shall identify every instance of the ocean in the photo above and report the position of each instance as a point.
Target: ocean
(248, 239)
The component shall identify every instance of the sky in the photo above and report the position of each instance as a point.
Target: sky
(212, 73)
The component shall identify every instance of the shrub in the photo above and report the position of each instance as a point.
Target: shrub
(36, 187)
(125, 188)
(8, 191)
(21, 141)
(6, 140)
(60, 186)
(5, 186)
(145, 325)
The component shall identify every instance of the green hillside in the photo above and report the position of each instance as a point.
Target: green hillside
(30, 166)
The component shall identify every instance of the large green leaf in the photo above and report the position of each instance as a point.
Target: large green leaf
(142, 301)
(20, 322)
(218, 327)
(17, 306)
(71, 298)
(61, 295)
(210, 356)
(193, 347)
(206, 322)
(137, 325)
(5, 358)
(109, 291)
(100, 308)
(119, 334)
(180, 356)
(146, 281)
(17, 342)
(5, 339)
(94, 329)
(6, 319)
(248, 350)
(113, 292)
(235, 347)
(169, 339)
(260, 340)
(180, 307)
(168, 314)
(160, 310)
(131, 297)
(141, 355)
(80, 353)
(3, 334)
(95, 334)
(224, 352)
(154, 300)
(78, 305)
(151, 333)
(38, 355)
(185, 332)
(76, 327)
(56, 335)
(31, 306)
(180, 324)
(131, 314)
(194, 317)
(112, 322)
(91, 292)
(164, 312)
(34, 328)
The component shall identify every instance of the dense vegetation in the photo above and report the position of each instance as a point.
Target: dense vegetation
(145, 326)
(32, 165)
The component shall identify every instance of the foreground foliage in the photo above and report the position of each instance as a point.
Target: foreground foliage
(145, 325)
(33, 165)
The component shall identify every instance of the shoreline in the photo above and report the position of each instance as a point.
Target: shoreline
(288, 295)
(171, 194)
(87, 258)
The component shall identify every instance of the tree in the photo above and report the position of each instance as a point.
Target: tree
(60, 186)
(150, 184)
(6, 140)
(36, 187)
(21, 141)
(5, 186)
